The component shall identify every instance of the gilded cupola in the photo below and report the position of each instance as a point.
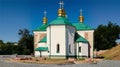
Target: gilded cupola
(61, 11)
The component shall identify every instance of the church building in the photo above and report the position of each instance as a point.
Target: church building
(62, 39)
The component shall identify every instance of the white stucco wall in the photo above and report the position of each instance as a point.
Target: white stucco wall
(48, 37)
(42, 44)
(38, 35)
(90, 39)
(84, 49)
(70, 34)
(83, 32)
(56, 35)
(43, 53)
(37, 54)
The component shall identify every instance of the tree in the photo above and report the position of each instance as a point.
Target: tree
(105, 36)
(9, 43)
(1, 42)
(8, 48)
(25, 44)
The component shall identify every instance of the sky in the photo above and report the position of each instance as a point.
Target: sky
(20, 14)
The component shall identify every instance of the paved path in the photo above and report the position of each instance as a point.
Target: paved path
(106, 63)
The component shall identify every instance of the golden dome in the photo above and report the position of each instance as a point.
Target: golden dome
(81, 18)
(61, 12)
(44, 20)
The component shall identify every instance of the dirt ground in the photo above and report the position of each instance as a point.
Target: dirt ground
(55, 61)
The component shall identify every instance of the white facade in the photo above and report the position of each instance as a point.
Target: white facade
(89, 35)
(57, 39)
(82, 50)
(62, 39)
(64, 36)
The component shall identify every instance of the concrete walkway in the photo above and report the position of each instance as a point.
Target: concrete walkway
(105, 63)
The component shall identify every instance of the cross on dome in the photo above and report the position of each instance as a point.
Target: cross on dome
(44, 18)
(61, 4)
(45, 13)
(81, 17)
(81, 12)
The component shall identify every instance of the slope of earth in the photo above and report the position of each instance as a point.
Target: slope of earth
(113, 53)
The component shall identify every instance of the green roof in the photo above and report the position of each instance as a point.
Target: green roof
(60, 21)
(42, 27)
(44, 39)
(79, 38)
(41, 49)
(82, 26)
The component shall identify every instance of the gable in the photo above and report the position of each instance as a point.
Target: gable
(43, 40)
(79, 38)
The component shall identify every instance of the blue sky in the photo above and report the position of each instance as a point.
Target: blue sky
(20, 14)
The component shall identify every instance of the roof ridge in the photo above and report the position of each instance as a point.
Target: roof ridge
(42, 27)
(60, 21)
(82, 26)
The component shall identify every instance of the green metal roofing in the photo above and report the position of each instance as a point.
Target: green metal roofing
(42, 27)
(44, 39)
(82, 26)
(41, 49)
(79, 38)
(60, 21)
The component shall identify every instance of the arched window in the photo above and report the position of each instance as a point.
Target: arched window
(69, 48)
(79, 49)
(58, 48)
